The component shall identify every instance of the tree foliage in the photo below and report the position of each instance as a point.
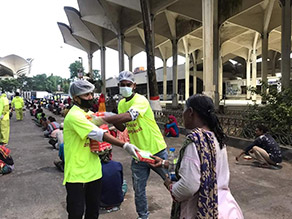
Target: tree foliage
(9, 85)
(36, 83)
(276, 114)
(74, 68)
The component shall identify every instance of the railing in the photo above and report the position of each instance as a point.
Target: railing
(233, 124)
(162, 116)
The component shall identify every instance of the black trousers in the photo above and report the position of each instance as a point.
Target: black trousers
(80, 195)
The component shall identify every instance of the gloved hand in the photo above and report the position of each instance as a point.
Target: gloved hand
(1, 117)
(131, 149)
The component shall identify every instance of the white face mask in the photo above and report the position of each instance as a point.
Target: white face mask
(126, 91)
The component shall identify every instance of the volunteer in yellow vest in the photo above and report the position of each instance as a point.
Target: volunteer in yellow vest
(4, 117)
(82, 173)
(18, 104)
(136, 115)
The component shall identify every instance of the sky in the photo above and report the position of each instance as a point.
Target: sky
(29, 29)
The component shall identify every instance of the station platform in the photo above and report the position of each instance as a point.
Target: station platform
(34, 189)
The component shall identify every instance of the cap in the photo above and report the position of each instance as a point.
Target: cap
(127, 76)
(172, 149)
(80, 87)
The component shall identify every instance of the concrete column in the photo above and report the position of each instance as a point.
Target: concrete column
(187, 68)
(254, 73)
(130, 63)
(195, 57)
(285, 42)
(208, 48)
(164, 79)
(220, 79)
(102, 63)
(248, 93)
(90, 65)
(264, 64)
(121, 38)
(174, 74)
(274, 60)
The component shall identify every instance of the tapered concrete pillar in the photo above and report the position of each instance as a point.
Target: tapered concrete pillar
(164, 79)
(220, 79)
(208, 7)
(130, 63)
(195, 57)
(248, 93)
(285, 42)
(174, 74)
(187, 68)
(90, 65)
(254, 73)
(102, 63)
(264, 64)
(274, 60)
(121, 52)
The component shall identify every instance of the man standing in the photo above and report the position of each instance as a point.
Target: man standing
(18, 104)
(4, 117)
(82, 173)
(136, 114)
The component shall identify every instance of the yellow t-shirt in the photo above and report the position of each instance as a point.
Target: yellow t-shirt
(144, 131)
(81, 165)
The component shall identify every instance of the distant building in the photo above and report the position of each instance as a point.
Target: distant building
(139, 69)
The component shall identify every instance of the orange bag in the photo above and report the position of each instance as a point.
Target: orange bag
(96, 146)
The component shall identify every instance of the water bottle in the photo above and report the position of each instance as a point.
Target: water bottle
(172, 160)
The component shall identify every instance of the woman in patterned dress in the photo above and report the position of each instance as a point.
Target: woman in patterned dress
(202, 189)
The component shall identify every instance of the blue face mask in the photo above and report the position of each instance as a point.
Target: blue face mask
(126, 91)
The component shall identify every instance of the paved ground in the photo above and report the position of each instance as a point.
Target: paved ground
(34, 190)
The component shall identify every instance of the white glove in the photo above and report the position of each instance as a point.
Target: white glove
(131, 149)
(1, 117)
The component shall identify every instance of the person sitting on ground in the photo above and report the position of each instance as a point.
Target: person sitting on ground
(114, 187)
(65, 110)
(43, 121)
(38, 116)
(171, 128)
(33, 110)
(52, 125)
(6, 161)
(58, 134)
(264, 149)
(39, 111)
(57, 137)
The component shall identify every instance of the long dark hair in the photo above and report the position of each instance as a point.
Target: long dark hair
(204, 106)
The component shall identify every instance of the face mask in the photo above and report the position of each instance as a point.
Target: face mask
(126, 91)
(86, 103)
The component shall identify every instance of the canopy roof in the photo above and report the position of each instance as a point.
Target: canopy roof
(101, 22)
(14, 65)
